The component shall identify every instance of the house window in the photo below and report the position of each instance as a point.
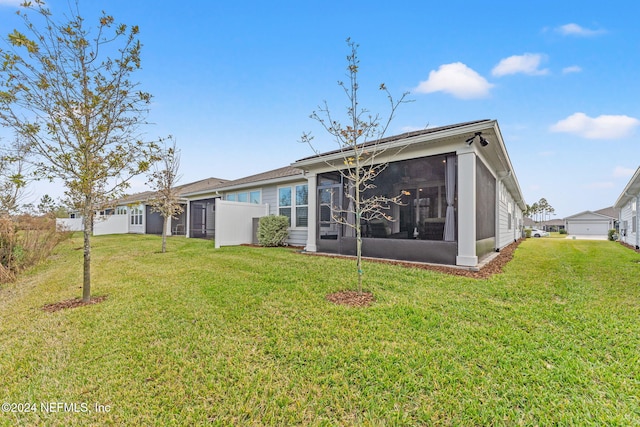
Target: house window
(295, 208)
(136, 216)
(284, 202)
(254, 197)
(243, 197)
(509, 216)
(302, 202)
(121, 210)
(634, 222)
(231, 197)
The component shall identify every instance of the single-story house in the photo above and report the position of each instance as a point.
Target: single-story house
(549, 225)
(135, 214)
(627, 204)
(460, 199)
(591, 223)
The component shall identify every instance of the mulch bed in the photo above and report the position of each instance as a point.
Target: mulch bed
(492, 267)
(72, 303)
(633, 248)
(351, 298)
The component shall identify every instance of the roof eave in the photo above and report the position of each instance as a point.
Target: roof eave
(253, 184)
(632, 189)
(333, 156)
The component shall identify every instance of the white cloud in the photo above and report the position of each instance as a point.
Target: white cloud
(572, 69)
(528, 63)
(601, 127)
(456, 79)
(622, 172)
(576, 30)
(600, 185)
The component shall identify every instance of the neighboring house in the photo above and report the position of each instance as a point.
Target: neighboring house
(550, 225)
(592, 223)
(135, 214)
(460, 199)
(627, 205)
(553, 225)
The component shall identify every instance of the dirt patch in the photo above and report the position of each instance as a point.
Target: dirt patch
(351, 298)
(72, 303)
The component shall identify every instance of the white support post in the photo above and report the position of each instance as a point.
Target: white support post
(312, 212)
(467, 208)
(187, 226)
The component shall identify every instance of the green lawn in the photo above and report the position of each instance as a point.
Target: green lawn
(244, 336)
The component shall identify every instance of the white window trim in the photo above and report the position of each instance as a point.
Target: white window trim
(136, 213)
(259, 191)
(293, 204)
(295, 207)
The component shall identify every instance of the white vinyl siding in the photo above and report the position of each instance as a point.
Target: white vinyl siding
(509, 217)
(628, 223)
(268, 195)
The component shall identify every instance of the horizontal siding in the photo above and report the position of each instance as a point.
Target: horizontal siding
(269, 196)
(297, 237)
(507, 235)
(626, 214)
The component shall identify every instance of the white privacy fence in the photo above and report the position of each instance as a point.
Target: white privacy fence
(109, 224)
(234, 222)
(69, 224)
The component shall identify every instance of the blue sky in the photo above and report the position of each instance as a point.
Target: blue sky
(235, 81)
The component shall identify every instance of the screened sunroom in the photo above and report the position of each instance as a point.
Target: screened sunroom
(457, 198)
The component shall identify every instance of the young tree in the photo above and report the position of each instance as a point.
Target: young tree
(163, 179)
(76, 106)
(357, 140)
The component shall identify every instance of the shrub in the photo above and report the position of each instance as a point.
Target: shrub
(613, 235)
(527, 233)
(562, 231)
(25, 241)
(273, 230)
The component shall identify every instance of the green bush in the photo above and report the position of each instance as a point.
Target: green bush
(527, 232)
(273, 230)
(613, 235)
(562, 231)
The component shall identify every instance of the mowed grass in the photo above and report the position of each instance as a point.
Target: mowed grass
(244, 336)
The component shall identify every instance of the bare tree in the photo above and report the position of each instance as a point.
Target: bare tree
(163, 179)
(76, 106)
(358, 142)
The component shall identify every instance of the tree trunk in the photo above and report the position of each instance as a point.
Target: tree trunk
(86, 282)
(358, 234)
(164, 234)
